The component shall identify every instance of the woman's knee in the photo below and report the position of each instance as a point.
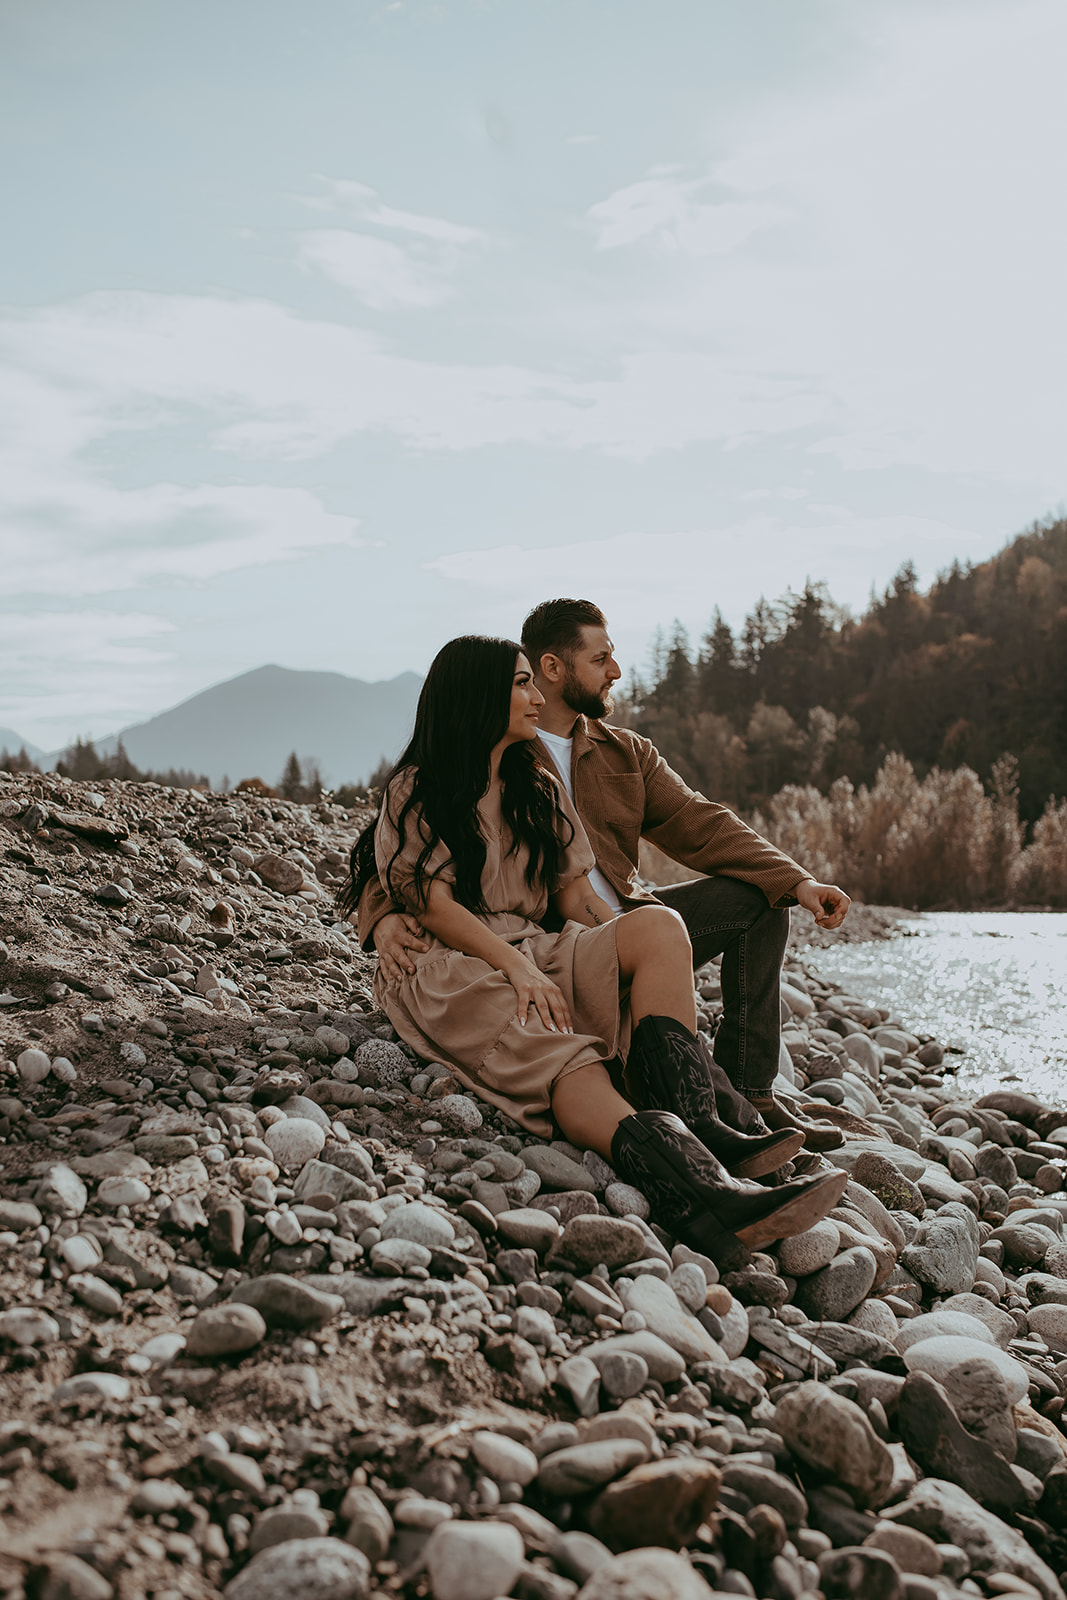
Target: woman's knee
(654, 928)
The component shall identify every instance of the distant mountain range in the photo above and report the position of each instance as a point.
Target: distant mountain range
(14, 742)
(248, 726)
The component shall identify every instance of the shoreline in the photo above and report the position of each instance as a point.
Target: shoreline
(283, 1311)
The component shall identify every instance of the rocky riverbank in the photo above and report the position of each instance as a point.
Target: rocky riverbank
(283, 1313)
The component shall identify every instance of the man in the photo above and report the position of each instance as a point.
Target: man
(624, 791)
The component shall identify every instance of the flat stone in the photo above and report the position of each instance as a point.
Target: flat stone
(831, 1433)
(279, 1523)
(421, 1224)
(369, 1525)
(28, 1325)
(225, 1330)
(313, 1569)
(581, 1378)
(625, 1201)
(829, 1295)
(657, 1503)
(1049, 1322)
(1000, 1324)
(528, 1227)
(912, 1551)
(286, 1302)
(363, 1296)
(591, 1240)
(938, 1357)
(93, 1292)
(667, 1318)
(322, 1177)
(949, 1515)
(652, 1574)
(473, 1560)
(17, 1216)
(70, 1578)
(586, 1466)
(934, 1435)
(934, 1324)
(115, 1192)
(399, 1255)
(504, 1460)
(556, 1170)
(664, 1363)
(104, 1386)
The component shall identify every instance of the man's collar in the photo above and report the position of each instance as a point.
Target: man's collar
(588, 728)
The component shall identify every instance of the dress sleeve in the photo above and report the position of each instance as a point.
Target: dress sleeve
(578, 858)
(396, 858)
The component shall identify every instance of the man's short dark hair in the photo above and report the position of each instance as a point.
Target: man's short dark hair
(555, 628)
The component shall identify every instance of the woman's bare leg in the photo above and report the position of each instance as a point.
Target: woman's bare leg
(656, 958)
(588, 1108)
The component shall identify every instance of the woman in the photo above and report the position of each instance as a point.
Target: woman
(477, 840)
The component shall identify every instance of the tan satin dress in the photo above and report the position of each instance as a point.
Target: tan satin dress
(459, 1010)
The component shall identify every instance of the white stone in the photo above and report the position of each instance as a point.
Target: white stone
(95, 1293)
(938, 1356)
(420, 1223)
(65, 1071)
(81, 1252)
(505, 1460)
(1049, 1322)
(810, 1251)
(399, 1255)
(285, 1227)
(668, 1319)
(34, 1066)
(93, 1385)
(473, 1560)
(28, 1325)
(123, 1192)
(294, 1141)
(303, 1107)
(874, 1316)
(934, 1324)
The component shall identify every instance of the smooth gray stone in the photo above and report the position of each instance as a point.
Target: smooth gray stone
(830, 1294)
(950, 1516)
(286, 1302)
(557, 1171)
(587, 1466)
(835, 1436)
(314, 1569)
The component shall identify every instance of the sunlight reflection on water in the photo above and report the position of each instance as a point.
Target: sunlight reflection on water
(993, 982)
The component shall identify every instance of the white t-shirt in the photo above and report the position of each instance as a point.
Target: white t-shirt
(560, 750)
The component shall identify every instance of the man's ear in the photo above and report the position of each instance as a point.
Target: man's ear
(553, 669)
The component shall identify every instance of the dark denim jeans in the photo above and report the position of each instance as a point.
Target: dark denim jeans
(725, 916)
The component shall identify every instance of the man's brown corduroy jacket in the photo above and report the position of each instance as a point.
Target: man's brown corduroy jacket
(624, 791)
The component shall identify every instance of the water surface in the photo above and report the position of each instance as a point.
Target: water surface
(994, 982)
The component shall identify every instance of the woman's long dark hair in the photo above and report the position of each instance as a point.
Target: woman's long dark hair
(463, 711)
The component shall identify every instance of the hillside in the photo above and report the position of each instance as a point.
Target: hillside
(970, 670)
(13, 742)
(247, 726)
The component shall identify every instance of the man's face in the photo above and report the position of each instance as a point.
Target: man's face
(590, 675)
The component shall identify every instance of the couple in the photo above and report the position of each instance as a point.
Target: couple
(479, 845)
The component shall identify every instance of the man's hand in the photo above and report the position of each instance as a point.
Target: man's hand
(395, 936)
(827, 903)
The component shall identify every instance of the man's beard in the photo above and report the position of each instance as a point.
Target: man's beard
(580, 699)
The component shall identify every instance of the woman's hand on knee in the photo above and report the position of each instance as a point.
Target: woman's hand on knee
(533, 989)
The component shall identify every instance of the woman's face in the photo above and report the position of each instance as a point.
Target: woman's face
(526, 702)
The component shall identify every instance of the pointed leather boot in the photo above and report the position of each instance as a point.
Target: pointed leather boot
(692, 1193)
(817, 1136)
(669, 1069)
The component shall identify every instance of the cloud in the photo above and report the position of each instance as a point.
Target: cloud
(641, 579)
(376, 271)
(54, 664)
(663, 209)
(358, 200)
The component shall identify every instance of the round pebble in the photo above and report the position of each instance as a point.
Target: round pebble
(34, 1066)
(294, 1141)
(114, 1192)
(421, 1224)
(313, 1569)
(504, 1460)
(225, 1330)
(473, 1560)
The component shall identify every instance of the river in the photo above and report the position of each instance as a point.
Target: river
(994, 983)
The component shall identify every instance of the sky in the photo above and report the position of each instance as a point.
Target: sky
(331, 330)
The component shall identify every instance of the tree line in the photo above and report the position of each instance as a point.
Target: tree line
(960, 676)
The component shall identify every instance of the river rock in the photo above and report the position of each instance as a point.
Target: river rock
(421, 1224)
(949, 1515)
(62, 1192)
(808, 1252)
(938, 1357)
(28, 1325)
(829, 1295)
(502, 1459)
(945, 1253)
(667, 1318)
(1001, 1324)
(934, 1435)
(473, 1561)
(1049, 1322)
(285, 877)
(650, 1574)
(589, 1241)
(557, 1170)
(529, 1228)
(286, 1302)
(832, 1434)
(586, 1466)
(935, 1324)
(882, 1176)
(314, 1569)
(295, 1141)
(662, 1501)
(225, 1330)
